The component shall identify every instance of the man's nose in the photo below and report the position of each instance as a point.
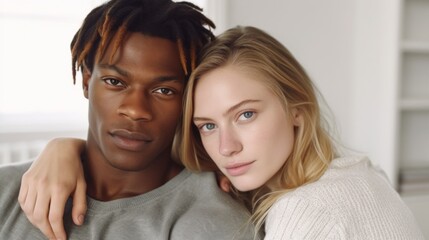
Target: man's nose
(137, 105)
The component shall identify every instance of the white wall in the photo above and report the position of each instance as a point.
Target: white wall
(349, 50)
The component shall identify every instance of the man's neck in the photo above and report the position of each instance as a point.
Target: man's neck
(106, 183)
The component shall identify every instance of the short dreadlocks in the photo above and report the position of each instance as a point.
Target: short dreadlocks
(109, 23)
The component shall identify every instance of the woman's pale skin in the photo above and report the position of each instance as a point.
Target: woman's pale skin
(243, 126)
(47, 179)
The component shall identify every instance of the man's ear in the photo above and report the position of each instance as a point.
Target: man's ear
(86, 76)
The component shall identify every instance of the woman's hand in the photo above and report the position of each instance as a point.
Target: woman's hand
(56, 174)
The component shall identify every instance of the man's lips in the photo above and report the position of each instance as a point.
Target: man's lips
(237, 169)
(128, 140)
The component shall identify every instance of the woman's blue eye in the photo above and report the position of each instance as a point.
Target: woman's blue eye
(208, 127)
(246, 115)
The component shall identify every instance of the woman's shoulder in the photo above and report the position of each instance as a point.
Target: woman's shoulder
(352, 170)
(14, 171)
(348, 181)
(350, 192)
(353, 162)
(302, 215)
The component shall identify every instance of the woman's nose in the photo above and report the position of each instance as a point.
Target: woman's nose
(229, 143)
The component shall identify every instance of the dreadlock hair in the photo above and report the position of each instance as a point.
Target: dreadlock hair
(109, 23)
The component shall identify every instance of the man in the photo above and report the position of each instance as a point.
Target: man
(135, 57)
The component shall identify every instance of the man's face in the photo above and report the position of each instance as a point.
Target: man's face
(135, 103)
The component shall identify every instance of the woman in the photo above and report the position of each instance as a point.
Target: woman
(251, 112)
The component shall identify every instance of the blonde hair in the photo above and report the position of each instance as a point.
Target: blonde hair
(256, 51)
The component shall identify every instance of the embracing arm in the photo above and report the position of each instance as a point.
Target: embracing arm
(45, 187)
(297, 218)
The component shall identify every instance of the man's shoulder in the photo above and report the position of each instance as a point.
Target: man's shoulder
(10, 178)
(211, 212)
(13, 223)
(11, 171)
(205, 192)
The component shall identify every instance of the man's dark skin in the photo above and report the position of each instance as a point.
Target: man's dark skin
(135, 102)
(134, 108)
(134, 57)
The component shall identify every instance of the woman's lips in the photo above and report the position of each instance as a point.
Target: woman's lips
(237, 169)
(130, 141)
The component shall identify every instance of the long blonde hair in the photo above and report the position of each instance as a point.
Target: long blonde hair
(255, 50)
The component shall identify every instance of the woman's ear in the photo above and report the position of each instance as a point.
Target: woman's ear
(86, 76)
(297, 117)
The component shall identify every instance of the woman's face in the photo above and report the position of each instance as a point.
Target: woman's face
(243, 126)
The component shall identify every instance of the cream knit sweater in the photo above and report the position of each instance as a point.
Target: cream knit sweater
(352, 200)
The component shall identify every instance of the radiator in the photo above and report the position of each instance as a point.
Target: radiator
(12, 152)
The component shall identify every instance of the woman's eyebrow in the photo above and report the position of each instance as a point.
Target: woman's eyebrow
(238, 105)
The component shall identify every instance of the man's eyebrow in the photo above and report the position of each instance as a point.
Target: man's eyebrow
(169, 79)
(114, 68)
(231, 109)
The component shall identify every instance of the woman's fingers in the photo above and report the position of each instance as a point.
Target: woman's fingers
(23, 190)
(29, 203)
(79, 203)
(56, 213)
(223, 182)
(40, 215)
(35, 207)
(45, 187)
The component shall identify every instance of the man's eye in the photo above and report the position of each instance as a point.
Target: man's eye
(164, 91)
(113, 82)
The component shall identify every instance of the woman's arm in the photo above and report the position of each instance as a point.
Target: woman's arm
(56, 174)
(301, 218)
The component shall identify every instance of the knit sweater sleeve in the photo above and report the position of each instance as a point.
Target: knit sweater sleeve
(297, 218)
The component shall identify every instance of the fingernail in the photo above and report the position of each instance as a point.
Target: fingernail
(80, 219)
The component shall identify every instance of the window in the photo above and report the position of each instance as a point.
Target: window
(37, 92)
(38, 100)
